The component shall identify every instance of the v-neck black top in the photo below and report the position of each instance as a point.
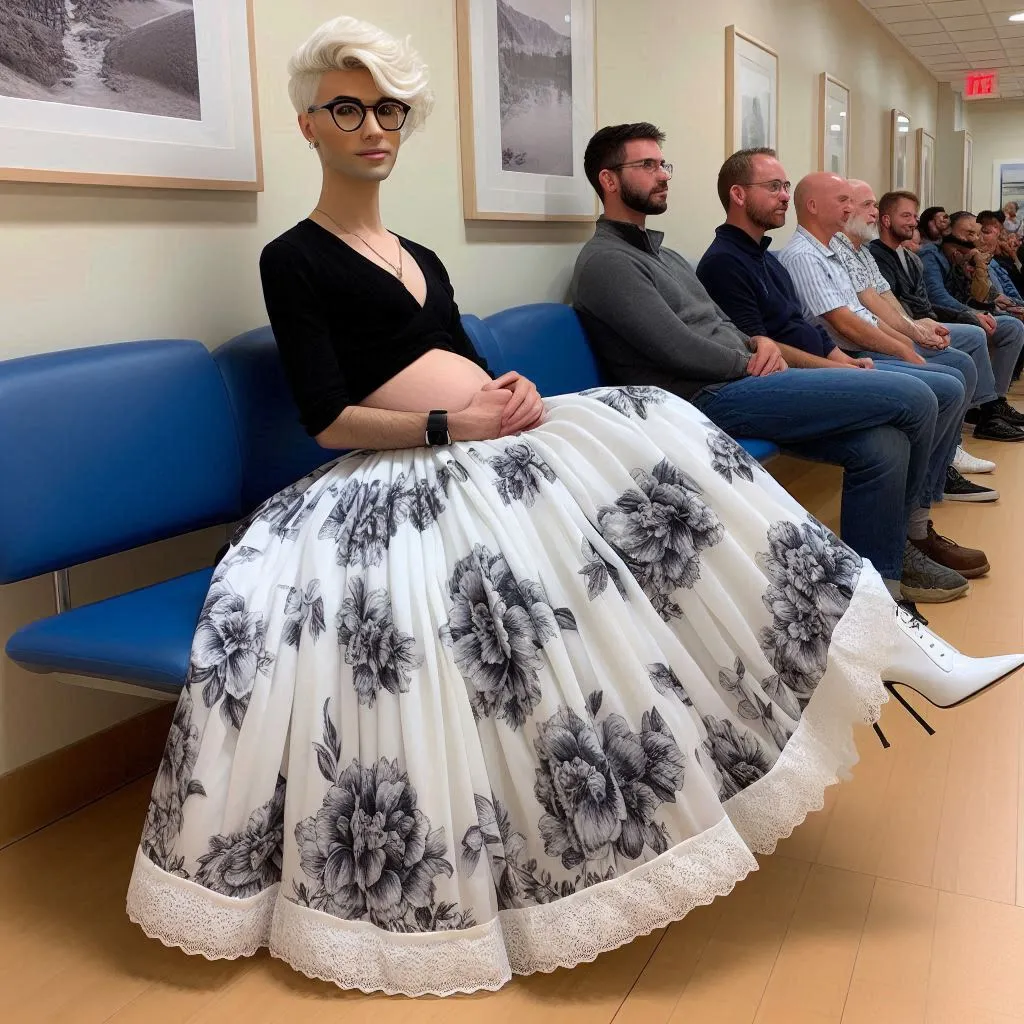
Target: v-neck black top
(344, 326)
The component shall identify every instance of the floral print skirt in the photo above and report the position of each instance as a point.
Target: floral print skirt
(495, 708)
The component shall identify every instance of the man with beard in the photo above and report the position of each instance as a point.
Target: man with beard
(651, 322)
(957, 277)
(757, 293)
(990, 238)
(851, 245)
(820, 269)
(904, 271)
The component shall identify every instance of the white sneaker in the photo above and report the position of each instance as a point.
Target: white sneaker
(937, 671)
(965, 462)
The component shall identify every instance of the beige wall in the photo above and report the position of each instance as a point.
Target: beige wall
(675, 79)
(997, 128)
(81, 266)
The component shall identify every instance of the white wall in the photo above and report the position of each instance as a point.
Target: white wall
(81, 266)
(997, 127)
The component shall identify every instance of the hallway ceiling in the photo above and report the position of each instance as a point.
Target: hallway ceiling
(952, 37)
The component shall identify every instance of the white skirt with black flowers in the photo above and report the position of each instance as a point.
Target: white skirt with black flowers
(458, 713)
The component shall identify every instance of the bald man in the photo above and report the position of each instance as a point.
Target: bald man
(651, 322)
(824, 204)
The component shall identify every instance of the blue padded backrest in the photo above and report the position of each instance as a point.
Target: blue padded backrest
(109, 447)
(276, 450)
(483, 340)
(545, 342)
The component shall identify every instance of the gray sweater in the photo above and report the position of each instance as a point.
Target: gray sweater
(648, 317)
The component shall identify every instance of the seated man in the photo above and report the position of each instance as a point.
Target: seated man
(930, 339)
(990, 235)
(652, 323)
(756, 292)
(956, 276)
(1008, 257)
(828, 296)
(934, 224)
(904, 271)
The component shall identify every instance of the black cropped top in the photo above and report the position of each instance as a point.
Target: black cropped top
(345, 326)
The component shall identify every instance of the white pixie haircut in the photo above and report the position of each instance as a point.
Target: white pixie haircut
(347, 43)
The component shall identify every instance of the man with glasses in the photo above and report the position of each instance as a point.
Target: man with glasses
(956, 276)
(756, 291)
(651, 322)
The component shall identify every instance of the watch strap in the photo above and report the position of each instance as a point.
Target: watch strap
(437, 428)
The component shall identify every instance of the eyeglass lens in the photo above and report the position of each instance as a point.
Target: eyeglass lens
(349, 114)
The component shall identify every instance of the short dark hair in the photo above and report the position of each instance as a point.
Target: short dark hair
(955, 218)
(991, 217)
(736, 171)
(608, 148)
(927, 216)
(889, 201)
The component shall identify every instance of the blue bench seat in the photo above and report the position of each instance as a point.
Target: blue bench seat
(143, 638)
(106, 448)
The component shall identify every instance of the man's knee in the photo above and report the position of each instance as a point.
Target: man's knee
(880, 452)
(1009, 331)
(968, 338)
(950, 389)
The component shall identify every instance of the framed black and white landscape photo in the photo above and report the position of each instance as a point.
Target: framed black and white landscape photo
(153, 93)
(527, 104)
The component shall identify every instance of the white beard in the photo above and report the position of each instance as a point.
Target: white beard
(858, 228)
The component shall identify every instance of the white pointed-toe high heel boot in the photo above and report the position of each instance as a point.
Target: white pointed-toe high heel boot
(937, 671)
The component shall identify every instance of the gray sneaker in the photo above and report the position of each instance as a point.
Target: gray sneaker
(927, 581)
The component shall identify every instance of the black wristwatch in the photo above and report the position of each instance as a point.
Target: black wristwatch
(437, 428)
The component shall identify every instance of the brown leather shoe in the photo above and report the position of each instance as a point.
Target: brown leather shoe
(969, 562)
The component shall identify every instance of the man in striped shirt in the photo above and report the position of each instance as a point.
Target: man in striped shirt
(828, 297)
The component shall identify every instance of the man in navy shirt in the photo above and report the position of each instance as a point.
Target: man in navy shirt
(756, 292)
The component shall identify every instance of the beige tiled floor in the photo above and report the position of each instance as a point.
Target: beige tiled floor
(902, 901)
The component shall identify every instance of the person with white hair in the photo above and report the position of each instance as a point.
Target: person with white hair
(515, 680)
(1011, 223)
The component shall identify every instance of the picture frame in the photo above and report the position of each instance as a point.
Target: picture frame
(160, 94)
(1008, 182)
(833, 125)
(925, 168)
(968, 170)
(751, 93)
(899, 149)
(526, 117)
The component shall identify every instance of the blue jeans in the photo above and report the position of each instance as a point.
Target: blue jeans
(945, 376)
(878, 426)
(1005, 347)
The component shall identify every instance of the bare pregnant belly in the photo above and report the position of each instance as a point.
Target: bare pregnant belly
(437, 380)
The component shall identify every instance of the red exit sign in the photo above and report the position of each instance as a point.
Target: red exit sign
(981, 85)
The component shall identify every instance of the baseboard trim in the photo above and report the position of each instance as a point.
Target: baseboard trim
(43, 791)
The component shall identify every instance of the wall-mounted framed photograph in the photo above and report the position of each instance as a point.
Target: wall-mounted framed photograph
(925, 168)
(899, 149)
(968, 174)
(751, 93)
(833, 126)
(527, 104)
(1007, 182)
(148, 93)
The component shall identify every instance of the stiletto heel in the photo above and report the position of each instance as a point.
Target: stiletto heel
(891, 687)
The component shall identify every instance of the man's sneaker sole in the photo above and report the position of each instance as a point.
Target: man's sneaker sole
(1012, 439)
(916, 594)
(987, 496)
